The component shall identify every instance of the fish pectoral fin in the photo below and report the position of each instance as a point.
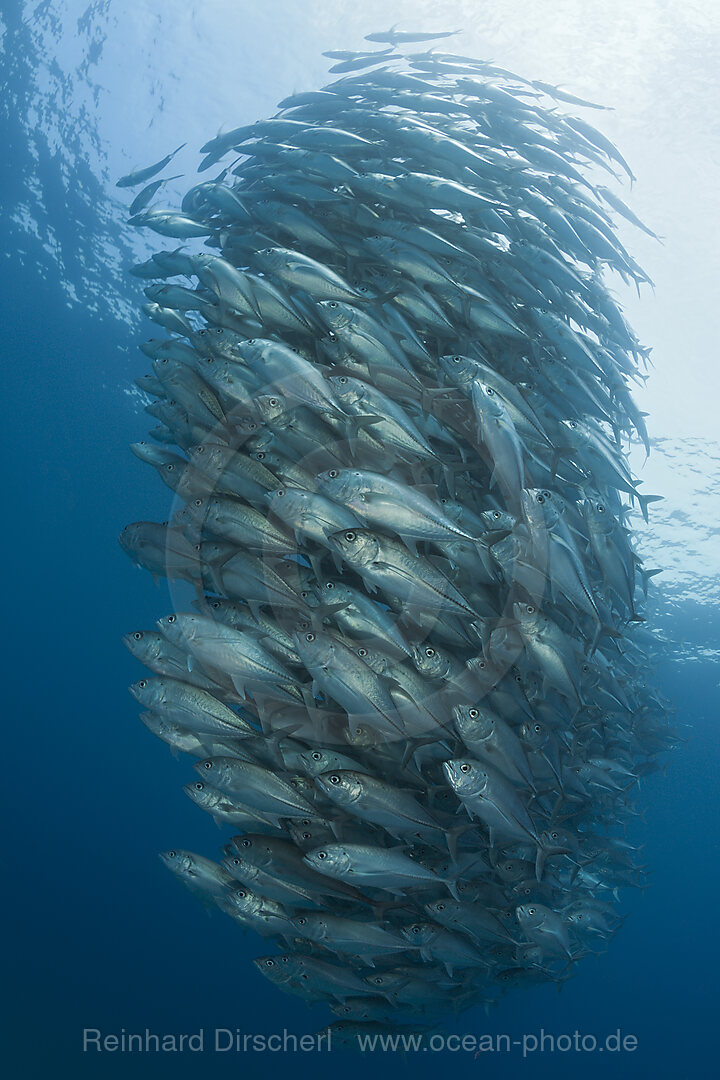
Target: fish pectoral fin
(410, 543)
(361, 420)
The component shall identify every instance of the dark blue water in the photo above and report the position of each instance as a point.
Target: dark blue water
(97, 934)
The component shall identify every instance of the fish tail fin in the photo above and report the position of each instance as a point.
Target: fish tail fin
(645, 500)
(451, 886)
(543, 854)
(603, 630)
(324, 611)
(645, 576)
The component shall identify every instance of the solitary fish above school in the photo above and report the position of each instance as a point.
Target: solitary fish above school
(393, 404)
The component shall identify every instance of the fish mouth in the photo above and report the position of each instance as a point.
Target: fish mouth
(452, 771)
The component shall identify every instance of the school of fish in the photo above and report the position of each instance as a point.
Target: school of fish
(394, 404)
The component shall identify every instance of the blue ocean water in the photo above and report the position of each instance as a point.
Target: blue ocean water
(99, 936)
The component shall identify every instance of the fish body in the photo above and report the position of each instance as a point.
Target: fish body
(140, 176)
(192, 706)
(364, 865)
(363, 796)
(387, 564)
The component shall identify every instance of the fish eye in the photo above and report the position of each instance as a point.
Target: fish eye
(350, 537)
(142, 684)
(172, 854)
(172, 618)
(199, 786)
(465, 767)
(496, 514)
(474, 713)
(202, 333)
(236, 862)
(537, 729)
(246, 843)
(322, 855)
(342, 380)
(170, 467)
(332, 336)
(601, 508)
(530, 609)
(332, 304)
(334, 779)
(207, 765)
(362, 652)
(273, 402)
(306, 836)
(137, 636)
(279, 493)
(457, 359)
(531, 911)
(316, 756)
(309, 637)
(541, 499)
(269, 963)
(429, 652)
(333, 473)
(554, 835)
(330, 585)
(439, 907)
(489, 391)
(301, 922)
